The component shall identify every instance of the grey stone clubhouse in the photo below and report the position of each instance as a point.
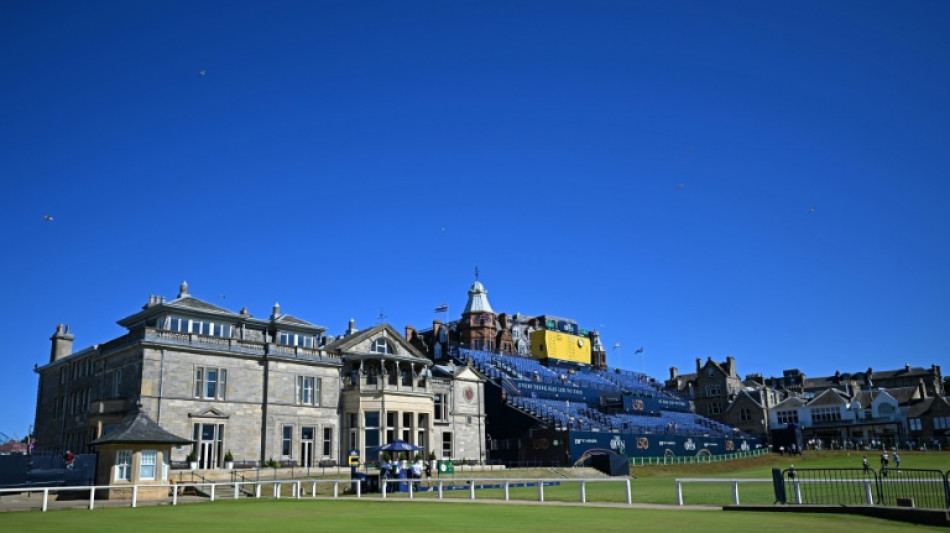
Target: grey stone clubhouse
(276, 388)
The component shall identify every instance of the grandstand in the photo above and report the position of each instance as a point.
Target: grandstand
(587, 407)
(550, 397)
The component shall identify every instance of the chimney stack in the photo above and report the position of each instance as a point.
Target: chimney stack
(62, 343)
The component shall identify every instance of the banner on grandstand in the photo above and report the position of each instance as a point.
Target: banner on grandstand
(538, 389)
(586, 443)
(646, 404)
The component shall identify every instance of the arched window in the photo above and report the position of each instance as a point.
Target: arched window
(382, 346)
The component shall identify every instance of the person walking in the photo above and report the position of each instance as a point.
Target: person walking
(897, 461)
(864, 463)
(69, 460)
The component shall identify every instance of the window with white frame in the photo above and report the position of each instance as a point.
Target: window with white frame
(210, 383)
(825, 414)
(787, 417)
(327, 442)
(199, 327)
(307, 390)
(123, 465)
(286, 442)
(382, 346)
(147, 464)
(713, 390)
(714, 408)
(441, 406)
(371, 429)
(288, 338)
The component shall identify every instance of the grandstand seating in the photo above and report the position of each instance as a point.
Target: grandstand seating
(586, 415)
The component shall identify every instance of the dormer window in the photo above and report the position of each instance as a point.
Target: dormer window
(199, 327)
(295, 339)
(382, 346)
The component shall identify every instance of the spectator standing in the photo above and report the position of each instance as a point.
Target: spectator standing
(864, 463)
(417, 472)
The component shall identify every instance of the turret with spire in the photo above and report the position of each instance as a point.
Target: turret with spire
(478, 325)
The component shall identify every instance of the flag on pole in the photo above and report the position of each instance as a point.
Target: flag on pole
(444, 308)
(639, 350)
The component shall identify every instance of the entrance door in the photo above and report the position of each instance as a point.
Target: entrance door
(306, 446)
(206, 459)
(209, 444)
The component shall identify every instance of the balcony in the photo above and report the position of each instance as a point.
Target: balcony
(193, 340)
(366, 383)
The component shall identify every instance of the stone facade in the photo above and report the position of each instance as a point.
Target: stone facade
(261, 388)
(392, 391)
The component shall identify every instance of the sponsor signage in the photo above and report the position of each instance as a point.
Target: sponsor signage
(638, 445)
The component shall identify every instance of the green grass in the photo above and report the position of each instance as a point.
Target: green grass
(414, 517)
(653, 484)
(656, 484)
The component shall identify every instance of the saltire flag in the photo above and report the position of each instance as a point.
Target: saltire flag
(639, 350)
(444, 308)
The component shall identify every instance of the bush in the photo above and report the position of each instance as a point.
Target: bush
(192, 456)
(228, 457)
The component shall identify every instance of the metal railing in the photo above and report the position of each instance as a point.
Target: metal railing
(734, 481)
(412, 487)
(298, 488)
(691, 459)
(904, 487)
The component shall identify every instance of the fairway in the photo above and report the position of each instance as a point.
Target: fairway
(655, 485)
(414, 517)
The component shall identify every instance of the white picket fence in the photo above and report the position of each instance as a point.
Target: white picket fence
(298, 488)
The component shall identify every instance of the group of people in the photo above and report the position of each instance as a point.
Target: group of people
(885, 462)
(793, 449)
(414, 471)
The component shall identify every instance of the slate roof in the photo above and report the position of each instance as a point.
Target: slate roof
(792, 401)
(341, 343)
(190, 302)
(138, 428)
(829, 397)
(903, 395)
(923, 406)
(739, 397)
(864, 398)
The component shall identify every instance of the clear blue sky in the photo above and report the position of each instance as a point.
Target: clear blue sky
(767, 180)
